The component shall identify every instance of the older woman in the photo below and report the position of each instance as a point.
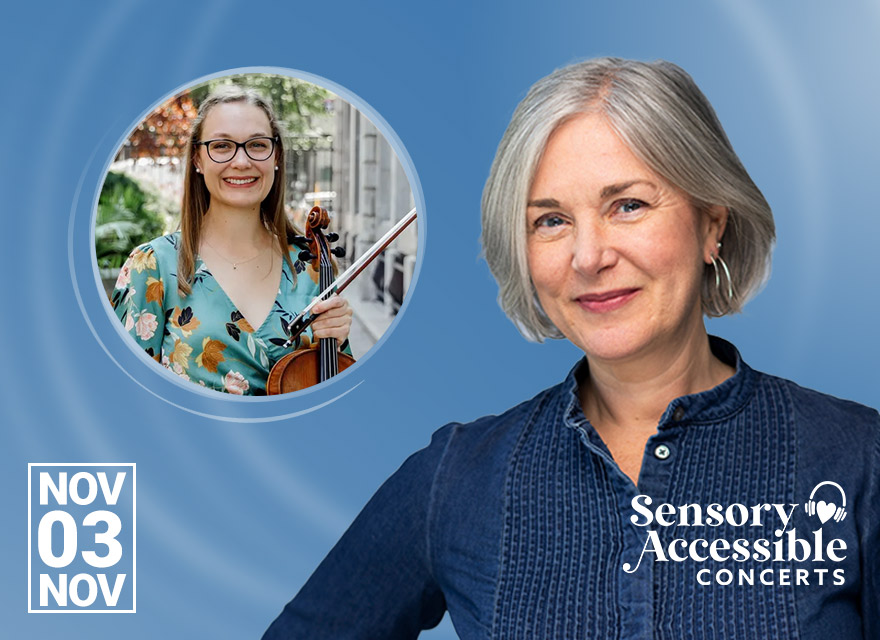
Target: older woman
(213, 301)
(664, 489)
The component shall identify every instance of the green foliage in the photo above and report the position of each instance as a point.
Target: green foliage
(127, 216)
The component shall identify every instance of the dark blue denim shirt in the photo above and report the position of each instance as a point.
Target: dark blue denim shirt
(521, 526)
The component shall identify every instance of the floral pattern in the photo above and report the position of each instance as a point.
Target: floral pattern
(202, 337)
(146, 326)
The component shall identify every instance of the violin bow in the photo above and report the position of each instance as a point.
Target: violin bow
(301, 322)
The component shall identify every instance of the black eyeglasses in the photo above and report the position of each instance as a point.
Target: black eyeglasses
(222, 150)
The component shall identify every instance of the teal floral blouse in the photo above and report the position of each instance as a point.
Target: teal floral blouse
(202, 337)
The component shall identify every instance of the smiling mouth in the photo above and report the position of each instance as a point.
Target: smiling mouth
(239, 181)
(606, 300)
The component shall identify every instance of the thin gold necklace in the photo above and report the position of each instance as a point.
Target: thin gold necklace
(233, 262)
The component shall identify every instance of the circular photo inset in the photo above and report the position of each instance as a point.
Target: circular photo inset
(254, 235)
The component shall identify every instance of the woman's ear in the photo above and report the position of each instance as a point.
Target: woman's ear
(714, 224)
(196, 157)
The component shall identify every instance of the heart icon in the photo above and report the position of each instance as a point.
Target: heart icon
(825, 510)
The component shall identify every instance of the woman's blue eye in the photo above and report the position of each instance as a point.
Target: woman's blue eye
(550, 221)
(550, 225)
(631, 205)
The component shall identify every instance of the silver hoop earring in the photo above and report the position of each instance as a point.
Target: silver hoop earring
(716, 258)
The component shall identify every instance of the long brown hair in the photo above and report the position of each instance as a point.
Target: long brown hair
(196, 198)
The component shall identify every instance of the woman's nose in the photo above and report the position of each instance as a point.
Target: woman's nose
(593, 250)
(240, 158)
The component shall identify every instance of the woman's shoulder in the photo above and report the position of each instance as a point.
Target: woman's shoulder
(835, 440)
(823, 411)
(491, 437)
(829, 431)
(161, 250)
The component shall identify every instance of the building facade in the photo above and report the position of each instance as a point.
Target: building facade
(372, 192)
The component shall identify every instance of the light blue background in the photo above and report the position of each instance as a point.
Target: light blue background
(232, 517)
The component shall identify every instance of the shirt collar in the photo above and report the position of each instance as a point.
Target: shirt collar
(711, 406)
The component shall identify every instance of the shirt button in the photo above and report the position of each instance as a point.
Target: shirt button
(662, 452)
(678, 414)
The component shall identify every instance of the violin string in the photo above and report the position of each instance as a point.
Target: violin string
(325, 343)
(331, 350)
(334, 358)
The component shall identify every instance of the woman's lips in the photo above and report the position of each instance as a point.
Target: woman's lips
(606, 300)
(241, 183)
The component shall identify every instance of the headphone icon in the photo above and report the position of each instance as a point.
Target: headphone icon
(839, 513)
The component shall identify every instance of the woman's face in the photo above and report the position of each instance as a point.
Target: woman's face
(241, 183)
(616, 255)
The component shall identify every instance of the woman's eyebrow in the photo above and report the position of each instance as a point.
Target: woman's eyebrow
(228, 136)
(607, 192)
(614, 189)
(543, 203)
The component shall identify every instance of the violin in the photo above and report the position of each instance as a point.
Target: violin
(308, 367)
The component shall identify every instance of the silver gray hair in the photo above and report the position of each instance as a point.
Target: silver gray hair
(662, 116)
